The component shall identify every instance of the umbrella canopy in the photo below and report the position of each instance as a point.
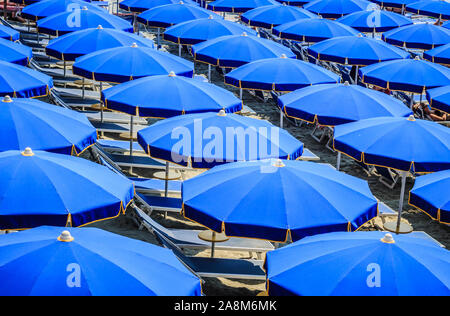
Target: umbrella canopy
(279, 74)
(211, 139)
(277, 198)
(67, 22)
(393, 3)
(56, 261)
(395, 142)
(171, 14)
(144, 5)
(127, 63)
(168, 96)
(46, 8)
(337, 8)
(418, 36)
(238, 6)
(375, 20)
(42, 188)
(434, 8)
(28, 122)
(273, 15)
(409, 75)
(15, 53)
(359, 264)
(312, 30)
(9, 33)
(201, 30)
(356, 50)
(439, 55)
(431, 194)
(296, 3)
(73, 45)
(439, 98)
(236, 50)
(22, 82)
(331, 104)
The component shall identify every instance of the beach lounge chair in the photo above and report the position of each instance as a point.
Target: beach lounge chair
(188, 239)
(163, 204)
(156, 186)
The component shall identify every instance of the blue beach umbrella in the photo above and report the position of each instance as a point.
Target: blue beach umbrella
(149, 97)
(9, 33)
(43, 188)
(236, 50)
(434, 8)
(337, 8)
(28, 122)
(276, 199)
(279, 74)
(84, 18)
(396, 142)
(205, 140)
(373, 21)
(15, 53)
(171, 14)
(418, 36)
(238, 6)
(312, 30)
(409, 75)
(439, 55)
(405, 144)
(73, 45)
(54, 261)
(46, 8)
(331, 104)
(140, 6)
(274, 15)
(359, 264)
(431, 194)
(22, 82)
(201, 30)
(439, 98)
(121, 64)
(355, 50)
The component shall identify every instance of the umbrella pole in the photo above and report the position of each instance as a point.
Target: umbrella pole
(38, 40)
(241, 93)
(83, 88)
(131, 135)
(338, 164)
(209, 72)
(411, 102)
(65, 68)
(179, 50)
(281, 118)
(166, 184)
(356, 74)
(158, 38)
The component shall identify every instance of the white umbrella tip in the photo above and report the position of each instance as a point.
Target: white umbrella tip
(283, 56)
(411, 118)
(244, 34)
(99, 27)
(388, 239)
(346, 83)
(134, 45)
(210, 17)
(7, 99)
(65, 236)
(222, 113)
(28, 152)
(172, 74)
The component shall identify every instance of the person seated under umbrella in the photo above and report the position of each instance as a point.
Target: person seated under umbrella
(423, 109)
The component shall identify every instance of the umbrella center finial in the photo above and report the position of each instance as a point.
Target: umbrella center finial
(346, 83)
(388, 239)
(417, 58)
(65, 236)
(85, 8)
(134, 45)
(210, 17)
(222, 113)
(278, 163)
(411, 118)
(172, 74)
(283, 56)
(99, 27)
(244, 34)
(28, 152)
(7, 99)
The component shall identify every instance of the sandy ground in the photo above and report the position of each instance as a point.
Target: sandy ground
(268, 111)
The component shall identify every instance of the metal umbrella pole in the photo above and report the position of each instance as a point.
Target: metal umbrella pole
(209, 73)
(338, 164)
